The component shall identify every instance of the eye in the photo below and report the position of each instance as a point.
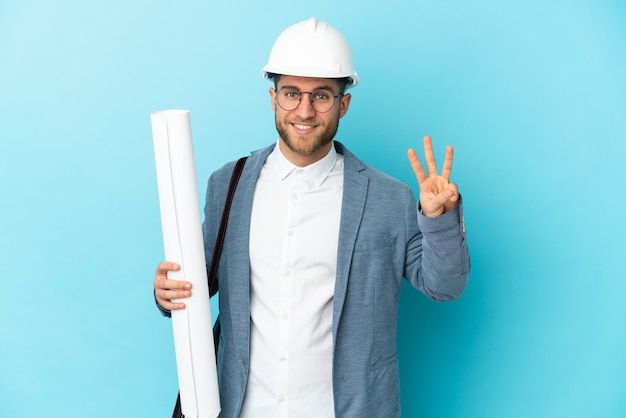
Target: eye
(290, 94)
(322, 95)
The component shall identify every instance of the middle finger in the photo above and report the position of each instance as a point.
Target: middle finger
(429, 156)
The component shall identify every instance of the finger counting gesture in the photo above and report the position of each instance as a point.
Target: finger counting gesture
(437, 194)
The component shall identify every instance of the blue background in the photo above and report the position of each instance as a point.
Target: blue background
(531, 94)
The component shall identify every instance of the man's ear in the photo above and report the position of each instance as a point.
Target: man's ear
(273, 98)
(344, 104)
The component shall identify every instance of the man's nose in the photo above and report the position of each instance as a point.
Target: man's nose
(305, 108)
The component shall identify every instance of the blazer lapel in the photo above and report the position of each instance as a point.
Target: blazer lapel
(239, 264)
(354, 195)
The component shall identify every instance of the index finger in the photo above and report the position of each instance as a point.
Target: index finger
(166, 266)
(162, 276)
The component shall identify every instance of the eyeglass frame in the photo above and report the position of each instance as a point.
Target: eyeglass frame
(310, 93)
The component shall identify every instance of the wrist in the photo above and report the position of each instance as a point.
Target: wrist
(432, 213)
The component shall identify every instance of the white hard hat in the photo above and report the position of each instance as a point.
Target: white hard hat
(312, 49)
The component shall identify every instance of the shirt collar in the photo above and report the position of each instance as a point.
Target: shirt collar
(316, 172)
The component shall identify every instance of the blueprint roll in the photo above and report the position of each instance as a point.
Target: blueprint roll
(183, 244)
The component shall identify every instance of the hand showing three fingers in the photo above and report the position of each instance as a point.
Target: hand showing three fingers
(437, 194)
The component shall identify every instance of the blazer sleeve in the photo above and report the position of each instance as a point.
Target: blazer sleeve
(438, 260)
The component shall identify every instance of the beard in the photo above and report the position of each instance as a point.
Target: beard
(306, 144)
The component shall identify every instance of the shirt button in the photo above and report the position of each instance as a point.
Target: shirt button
(281, 398)
(294, 196)
(290, 233)
(287, 273)
(283, 358)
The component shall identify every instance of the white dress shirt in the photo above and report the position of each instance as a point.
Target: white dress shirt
(294, 235)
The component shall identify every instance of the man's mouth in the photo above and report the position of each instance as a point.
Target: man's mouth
(303, 128)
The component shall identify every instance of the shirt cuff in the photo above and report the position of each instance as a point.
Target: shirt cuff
(164, 312)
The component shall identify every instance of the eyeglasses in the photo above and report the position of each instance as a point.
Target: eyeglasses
(322, 100)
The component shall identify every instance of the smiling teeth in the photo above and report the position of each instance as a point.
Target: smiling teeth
(299, 126)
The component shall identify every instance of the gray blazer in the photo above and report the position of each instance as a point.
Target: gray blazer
(380, 242)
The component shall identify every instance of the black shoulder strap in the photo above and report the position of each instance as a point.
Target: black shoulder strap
(221, 234)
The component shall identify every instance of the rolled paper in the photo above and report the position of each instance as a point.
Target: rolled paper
(183, 244)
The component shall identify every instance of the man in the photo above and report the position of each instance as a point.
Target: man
(316, 249)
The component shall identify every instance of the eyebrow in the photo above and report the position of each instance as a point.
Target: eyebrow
(316, 88)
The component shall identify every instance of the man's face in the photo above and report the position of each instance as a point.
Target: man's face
(305, 134)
